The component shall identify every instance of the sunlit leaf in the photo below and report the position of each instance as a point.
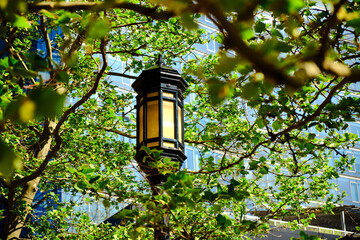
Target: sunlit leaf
(247, 33)
(27, 110)
(21, 22)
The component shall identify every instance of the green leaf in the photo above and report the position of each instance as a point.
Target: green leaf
(49, 102)
(65, 17)
(264, 170)
(259, 27)
(262, 159)
(234, 182)
(48, 14)
(355, 23)
(276, 33)
(98, 29)
(260, 123)
(102, 184)
(80, 186)
(146, 149)
(295, 5)
(311, 136)
(247, 33)
(37, 62)
(283, 47)
(247, 222)
(223, 220)
(188, 21)
(26, 110)
(217, 208)
(106, 203)
(73, 60)
(250, 90)
(218, 90)
(226, 64)
(22, 109)
(241, 195)
(21, 22)
(230, 5)
(8, 161)
(4, 62)
(276, 125)
(253, 165)
(62, 76)
(210, 196)
(24, 73)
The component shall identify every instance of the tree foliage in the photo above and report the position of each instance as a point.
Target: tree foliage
(273, 104)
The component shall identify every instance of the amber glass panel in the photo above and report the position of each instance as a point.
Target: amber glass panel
(169, 144)
(152, 127)
(168, 119)
(153, 94)
(141, 122)
(180, 126)
(153, 144)
(166, 94)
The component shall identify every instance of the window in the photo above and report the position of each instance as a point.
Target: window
(211, 43)
(208, 20)
(118, 66)
(355, 128)
(217, 158)
(354, 192)
(344, 185)
(357, 160)
(189, 98)
(189, 163)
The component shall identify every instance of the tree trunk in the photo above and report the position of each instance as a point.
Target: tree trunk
(17, 222)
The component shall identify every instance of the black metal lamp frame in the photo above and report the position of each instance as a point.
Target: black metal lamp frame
(159, 83)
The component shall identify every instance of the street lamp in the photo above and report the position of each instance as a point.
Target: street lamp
(160, 117)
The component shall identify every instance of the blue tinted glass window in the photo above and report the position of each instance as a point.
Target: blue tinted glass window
(354, 192)
(210, 43)
(357, 160)
(190, 159)
(344, 185)
(197, 159)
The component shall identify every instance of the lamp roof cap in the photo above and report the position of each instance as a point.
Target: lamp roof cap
(155, 75)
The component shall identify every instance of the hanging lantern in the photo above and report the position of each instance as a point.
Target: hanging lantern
(160, 116)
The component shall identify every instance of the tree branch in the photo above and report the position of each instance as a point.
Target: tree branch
(117, 132)
(354, 77)
(325, 36)
(153, 12)
(234, 41)
(121, 75)
(8, 41)
(131, 24)
(63, 118)
(47, 44)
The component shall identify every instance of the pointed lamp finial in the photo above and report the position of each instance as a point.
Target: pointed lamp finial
(159, 61)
